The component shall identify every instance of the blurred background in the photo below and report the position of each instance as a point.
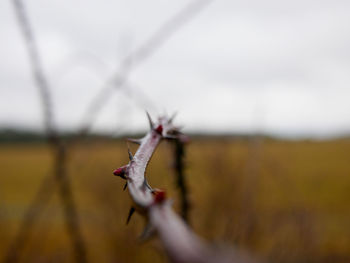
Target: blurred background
(261, 88)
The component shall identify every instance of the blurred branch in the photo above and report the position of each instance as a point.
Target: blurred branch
(164, 32)
(36, 67)
(179, 156)
(69, 207)
(41, 198)
(136, 93)
(148, 48)
(60, 157)
(180, 242)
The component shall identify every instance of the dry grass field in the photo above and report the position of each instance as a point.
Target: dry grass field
(284, 201)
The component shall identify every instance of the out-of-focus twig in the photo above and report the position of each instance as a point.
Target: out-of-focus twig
(37, 205)
(56, 143)
(69, 207)
(179, 165)
(36, 66)
(148, 48)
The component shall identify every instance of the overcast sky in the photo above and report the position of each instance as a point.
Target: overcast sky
(280, 67)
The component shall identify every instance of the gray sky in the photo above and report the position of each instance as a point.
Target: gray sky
(280, 67)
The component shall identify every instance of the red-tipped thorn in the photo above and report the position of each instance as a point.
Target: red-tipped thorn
(159, 196)
(159, 129)
(121, 172)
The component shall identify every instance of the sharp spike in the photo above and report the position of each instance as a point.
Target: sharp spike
(172, 118)
(137, 141)
(131, 212)
(130, 155)
(125, 186)
(146, 185)
(151, 124)
(122, 172)
(147, 233)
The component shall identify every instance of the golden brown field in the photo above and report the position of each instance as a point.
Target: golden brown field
(284, 201)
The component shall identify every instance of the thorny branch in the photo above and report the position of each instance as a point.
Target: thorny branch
(47, 186)
(180, 242)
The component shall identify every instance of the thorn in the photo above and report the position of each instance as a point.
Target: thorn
(151, 124)
(121, 172)
(125, 186)
(131, 212)
(130, 155)
(159, 196)
(172, 118)
(147, 233)
(137, 141)
(159, 129)
(146, 185)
